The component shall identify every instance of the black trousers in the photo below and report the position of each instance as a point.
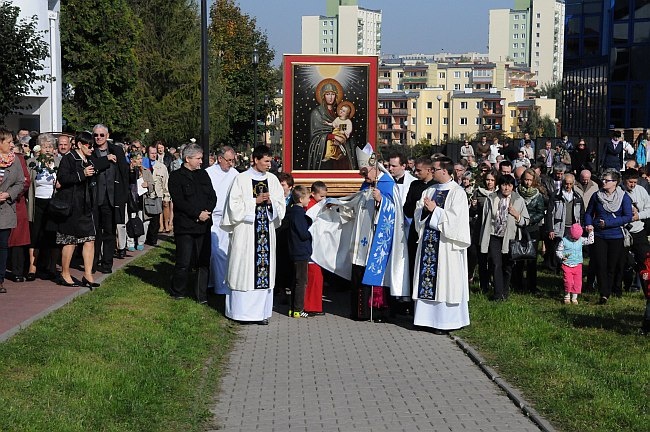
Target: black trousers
(106, 230)
(606, 256)
(502, 266)
(153, 230)
(360, 295)
(4, 251)
(191, 248)
(299, 286)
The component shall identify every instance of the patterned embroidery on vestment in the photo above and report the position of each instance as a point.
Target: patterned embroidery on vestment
(262, 239)
(429, 253)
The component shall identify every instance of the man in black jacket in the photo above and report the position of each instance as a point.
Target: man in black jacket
(112, 192)
(194, 199)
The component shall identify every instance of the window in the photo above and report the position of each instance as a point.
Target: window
(536, 53)
(441, 75)
(516, 17)
(445, 120)
(332, 23)
(456, 86)
(523, 26)
(523, 55)
(445, 105)
(536, 44)
(538, 25)
(400, 74)
(331, 49)
(468, 85)
(478, 105)
(429, 120)
(515, 45)
(515, 36)
(515, 55)
(523, 44)
(324, 50)
(414, 106)
(325, 32)
(429, 136)
(463, 120)
(331, 32)
(324, 23)
(477, 120)
(513, 113)
(523, 35)
(467, 74)
(537, 35)
(324, 41)
(457, 74)
(515, 27)
(539, 15)
(463, 105)
(332, 41)
(429, 105)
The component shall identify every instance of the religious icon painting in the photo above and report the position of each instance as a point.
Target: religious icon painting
(330, 113)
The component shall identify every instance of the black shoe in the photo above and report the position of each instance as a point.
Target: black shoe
(150, 243)
(18, 279)
(30, 277)
(105, 270)
(86, 283)
(178, 297)
(265, 321)
(439, 332)
(63, 282)
(602, 300)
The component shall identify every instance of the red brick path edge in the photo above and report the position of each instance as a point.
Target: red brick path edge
(26, 302)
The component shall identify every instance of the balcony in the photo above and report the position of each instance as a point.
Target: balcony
(420, 79)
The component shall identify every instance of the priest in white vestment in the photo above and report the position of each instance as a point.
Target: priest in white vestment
(254, 209)
(362, 239)
(222, 174)
(440, 289)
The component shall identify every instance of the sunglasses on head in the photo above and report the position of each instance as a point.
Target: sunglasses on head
(99, 135)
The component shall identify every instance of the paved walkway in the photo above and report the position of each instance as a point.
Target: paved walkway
(334, 374)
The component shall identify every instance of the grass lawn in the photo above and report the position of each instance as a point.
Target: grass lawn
(584, 367)
(125, 357)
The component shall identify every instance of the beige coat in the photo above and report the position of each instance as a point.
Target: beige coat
(490, 209)
(161, 180)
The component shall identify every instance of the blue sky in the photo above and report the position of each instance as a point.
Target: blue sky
(409, 26)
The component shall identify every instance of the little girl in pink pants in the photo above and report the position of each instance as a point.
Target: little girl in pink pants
(569, 250)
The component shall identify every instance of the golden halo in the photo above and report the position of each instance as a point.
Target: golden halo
(319, 87)
(348, 104)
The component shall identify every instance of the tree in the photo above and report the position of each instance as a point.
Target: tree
(233, 36)
(538, 126)
(552, 91)
(100, 67)
(169, 72)
(23, 51)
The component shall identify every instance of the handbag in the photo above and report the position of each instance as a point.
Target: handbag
(134, 227)
(627, 238)
(523, 248)
(58, 207)
(152, 206)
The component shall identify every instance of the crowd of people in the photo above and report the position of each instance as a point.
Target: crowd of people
(78, 194)
(401, 241)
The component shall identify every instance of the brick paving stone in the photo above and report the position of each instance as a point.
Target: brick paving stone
(333, 374)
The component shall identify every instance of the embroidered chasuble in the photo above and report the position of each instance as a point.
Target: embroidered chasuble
(262, 239)
(429, 256)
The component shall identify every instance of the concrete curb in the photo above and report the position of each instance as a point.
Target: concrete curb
(513, 394)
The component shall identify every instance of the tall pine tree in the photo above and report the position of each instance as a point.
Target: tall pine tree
(100, 68)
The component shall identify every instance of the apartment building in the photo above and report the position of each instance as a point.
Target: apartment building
(440, 115)
(346, 28)
(530, 35)
(606, 81)
(42, 110)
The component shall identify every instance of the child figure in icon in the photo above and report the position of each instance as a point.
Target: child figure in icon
(342, 127)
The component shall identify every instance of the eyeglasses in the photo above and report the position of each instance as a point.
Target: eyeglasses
(436, 169)
(89, 145)
(608, 180)
(99, 135)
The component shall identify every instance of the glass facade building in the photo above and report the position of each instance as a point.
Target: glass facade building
(606, 82)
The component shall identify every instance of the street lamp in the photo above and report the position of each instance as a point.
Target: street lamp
(205, 119)
(256, 62)
(439, 97)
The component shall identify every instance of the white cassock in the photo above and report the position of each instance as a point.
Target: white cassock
(442, 274)
(245, 300)
(220, 239)
(403, 190)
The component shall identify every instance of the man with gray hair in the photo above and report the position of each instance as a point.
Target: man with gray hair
(194, 199)
(111, 195)
(222, 174)
(62, 146)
